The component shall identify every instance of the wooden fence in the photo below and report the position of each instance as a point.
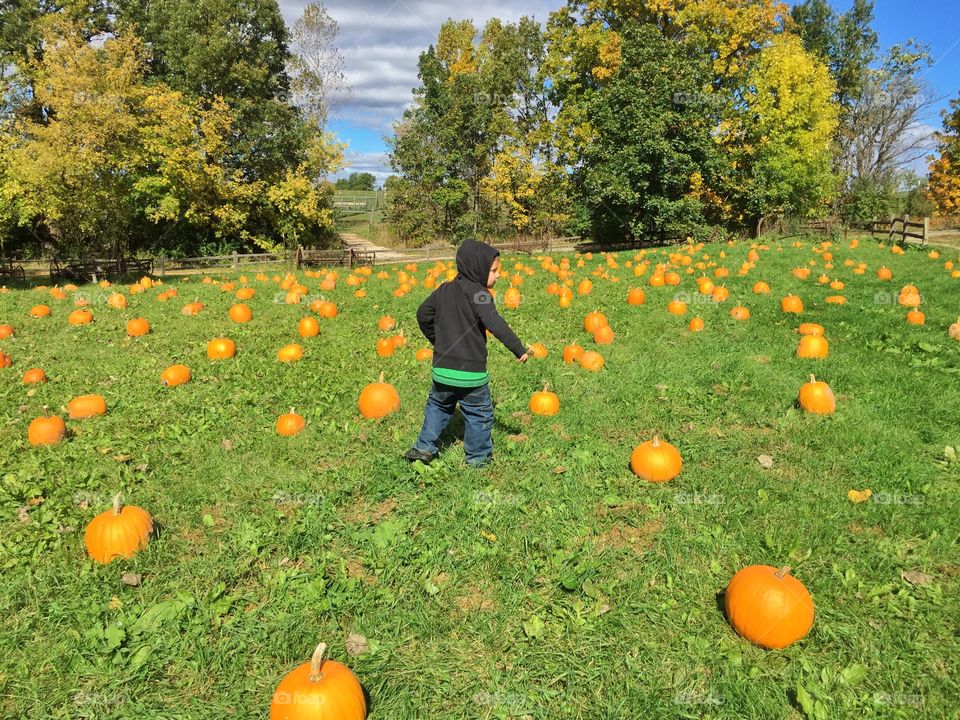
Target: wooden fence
(896, 229)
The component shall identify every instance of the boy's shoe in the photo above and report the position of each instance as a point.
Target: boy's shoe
(481, 464)
(422, 455)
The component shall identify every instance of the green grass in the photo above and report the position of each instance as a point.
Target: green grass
(553, 585)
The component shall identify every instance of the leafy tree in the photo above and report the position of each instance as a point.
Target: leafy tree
(639, 176)
(945, 169)
(115, 157)
(782, 142)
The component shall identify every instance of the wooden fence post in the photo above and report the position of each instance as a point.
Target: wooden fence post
(926, 230)
(161, 266)
(903, 232)
(893, 224)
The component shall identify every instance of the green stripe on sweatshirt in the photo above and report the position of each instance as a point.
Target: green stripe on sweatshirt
(460, 378)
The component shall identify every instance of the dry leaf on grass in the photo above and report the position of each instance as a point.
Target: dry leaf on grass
(766, 462)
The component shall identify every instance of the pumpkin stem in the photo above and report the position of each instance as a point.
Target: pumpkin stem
(656, 441)
(46, 411)
(116, 504)
(291, 410)
(316, 662)
(381, 376)
(812, 378)
(782, 572)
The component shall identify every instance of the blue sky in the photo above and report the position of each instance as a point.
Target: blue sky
(381, 40)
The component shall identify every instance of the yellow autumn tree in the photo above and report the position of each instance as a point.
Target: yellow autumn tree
(779, 146)
(945, 169)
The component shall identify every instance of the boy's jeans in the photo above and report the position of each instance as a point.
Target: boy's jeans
(477, 409)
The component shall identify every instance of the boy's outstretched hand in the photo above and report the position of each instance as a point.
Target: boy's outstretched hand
(523, 358)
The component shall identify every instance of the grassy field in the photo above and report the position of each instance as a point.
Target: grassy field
(553, 584)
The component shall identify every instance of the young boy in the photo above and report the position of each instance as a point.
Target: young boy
(454, 319)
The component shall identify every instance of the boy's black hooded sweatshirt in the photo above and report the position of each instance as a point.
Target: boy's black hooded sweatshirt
(457, 313)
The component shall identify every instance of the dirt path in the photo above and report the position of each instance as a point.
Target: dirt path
(384, 254)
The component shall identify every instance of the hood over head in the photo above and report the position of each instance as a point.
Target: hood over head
(474, 260)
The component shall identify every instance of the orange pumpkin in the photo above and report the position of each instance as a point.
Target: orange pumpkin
(810, 329)
(539, 350)
(6, 331)
(34, 376)
(378, 399)
(656, 461)
(240, 313)
(636, 297)
(138, 327)
(544, 402)
(592, 361)
(246, 293)
(121, 532)
(46, 430)
(385, 347)
(791, 304)
(603, 335)
(768, 607)
(80, 317)
(696, 324)
(386, 323)
(290, 423)
(817, 398)
(915, 317)
(813, 347)
(175, 375)
(954, 330)
(118, 301)
(677, 307)
(87, 406)
(572, 353)
(5, 360)
(512, 298)
(740, 313)
(308, 327)
(319, 690)
(327, 309)
(193, 308)
(424, 354)
(290, 353)
(40, 311)
(221, 349)
(593, 321)
(720, 294)
(585, 287)
(761, 288)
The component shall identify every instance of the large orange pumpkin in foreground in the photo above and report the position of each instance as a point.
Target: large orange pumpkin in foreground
(121, 531)
(378, 400)
(656, 461)
(87, 406)
(769, 607)
(319, 690)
